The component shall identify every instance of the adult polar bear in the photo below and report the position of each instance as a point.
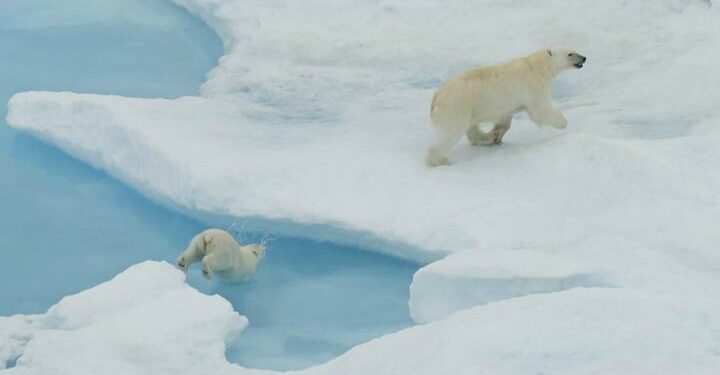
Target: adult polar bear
(493, 94)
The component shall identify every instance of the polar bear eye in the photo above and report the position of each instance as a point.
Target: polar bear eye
(569, 54)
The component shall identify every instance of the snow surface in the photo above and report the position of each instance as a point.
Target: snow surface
(591, 250)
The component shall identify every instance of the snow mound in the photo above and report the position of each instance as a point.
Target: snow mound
(578, 331)
(145, 320)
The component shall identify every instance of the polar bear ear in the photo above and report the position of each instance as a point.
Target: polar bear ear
(550, 53)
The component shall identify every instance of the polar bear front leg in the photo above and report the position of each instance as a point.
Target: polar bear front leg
(543, 113)
(478, 138)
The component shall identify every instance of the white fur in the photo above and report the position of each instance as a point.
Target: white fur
(221, 255)
(493, 94)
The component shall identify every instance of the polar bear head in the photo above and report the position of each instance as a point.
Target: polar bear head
(258, 251)
(565, 58)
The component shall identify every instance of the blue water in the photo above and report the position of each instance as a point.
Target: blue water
(52, 205)
(309, 302)
(65, 227)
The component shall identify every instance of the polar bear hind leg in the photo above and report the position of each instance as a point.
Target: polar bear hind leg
(501, 127)
(438, 152)
(194, 251)
(478, 137)
(207, 265)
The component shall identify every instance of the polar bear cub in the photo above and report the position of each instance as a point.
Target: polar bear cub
(221, 254)
(493, 94)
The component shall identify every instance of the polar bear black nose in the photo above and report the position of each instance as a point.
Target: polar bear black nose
(583, 58)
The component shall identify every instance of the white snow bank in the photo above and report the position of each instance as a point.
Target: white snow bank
(579, 331)
(467, 279)
(15, 332)
(317, 114)
(146, 320)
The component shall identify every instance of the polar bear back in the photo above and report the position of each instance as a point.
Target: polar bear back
(217, 240)
(228, 254)
(485, 93)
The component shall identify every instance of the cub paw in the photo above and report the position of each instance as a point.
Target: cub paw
(182, 264)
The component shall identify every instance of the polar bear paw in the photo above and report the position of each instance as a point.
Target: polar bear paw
(561, 124)
(436, 160)
(182, 263)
